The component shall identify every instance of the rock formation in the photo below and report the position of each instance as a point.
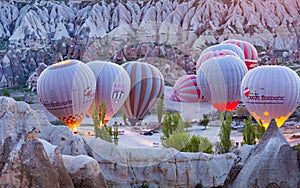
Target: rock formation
(49, 31)
(271, 163)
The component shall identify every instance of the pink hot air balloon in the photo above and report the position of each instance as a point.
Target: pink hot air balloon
(186, 90)
(112, 87)
(250, 52)
(209, 54)
(271, 92)
(219, 80)
(67, 89)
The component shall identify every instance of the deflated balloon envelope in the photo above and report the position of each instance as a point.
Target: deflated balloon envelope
(67, 89)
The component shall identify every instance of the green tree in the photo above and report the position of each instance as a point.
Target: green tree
(204, 122)
(171, 123)
(160, 108)
(260, 130)
(249, 135)
(225, 131)
(100, 131)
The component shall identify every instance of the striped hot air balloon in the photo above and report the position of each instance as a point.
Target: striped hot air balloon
(250, 52)
(231, 47)
(147, 86)
(219, 80)
(209, 54)
(186, 90)
(67, 89)
(271, 92)
(112, 87)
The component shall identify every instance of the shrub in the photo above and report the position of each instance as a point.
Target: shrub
(5, 92)
(204, 122)
(178, 140)
(171, 123)
(242, 112)
(199, 144)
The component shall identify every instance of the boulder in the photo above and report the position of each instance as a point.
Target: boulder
(84, 171)
(28, 165)
(272, 163)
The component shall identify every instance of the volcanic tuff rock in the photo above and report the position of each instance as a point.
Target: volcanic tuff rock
(48, 31)
(271, 163)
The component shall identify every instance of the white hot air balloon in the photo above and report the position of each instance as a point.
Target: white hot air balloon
(113, 86)
(67, 89)
(271, 92)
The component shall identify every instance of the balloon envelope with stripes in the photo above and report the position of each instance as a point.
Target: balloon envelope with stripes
(224, 46)
(147, 86)
(271, 92)
(250, 52)
(219, 80)
(186, 90)
(112, 87)
(209, 54)
(67, 89)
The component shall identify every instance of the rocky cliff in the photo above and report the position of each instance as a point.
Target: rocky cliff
(47, 31)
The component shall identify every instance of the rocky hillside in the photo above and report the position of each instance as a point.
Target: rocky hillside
(47, 31)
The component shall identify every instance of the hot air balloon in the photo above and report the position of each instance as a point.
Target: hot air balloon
(270, 92)
(112, 87)
(231, 47)
(250, 52)
(186, 90)
(219, 80)
(147, 86)
(209, 54)
(67, 89)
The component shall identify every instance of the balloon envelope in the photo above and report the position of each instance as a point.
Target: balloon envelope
(67, 89)
(271, 92)
(250, 52)
(219, 80)
(186, 90)
(112, 87)
(147, 86)
(223, 46)
(209, 54)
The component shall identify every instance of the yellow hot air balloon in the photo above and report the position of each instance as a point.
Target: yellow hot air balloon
(67, 89)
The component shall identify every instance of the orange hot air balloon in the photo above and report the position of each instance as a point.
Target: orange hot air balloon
(219, 80)
(271, 92)
(67, 89)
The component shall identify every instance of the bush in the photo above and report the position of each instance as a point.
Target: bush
(204, 122)
(199, 144)
(178, 140)
(242, 112)
(5, 92)
(172, 123)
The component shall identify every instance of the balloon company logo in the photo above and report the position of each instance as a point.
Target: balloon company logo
(118, 92)
(254, 95)
(88, 92)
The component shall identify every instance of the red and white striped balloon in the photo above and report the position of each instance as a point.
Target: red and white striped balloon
(210, 54)
(186, 90)
(250, 52)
